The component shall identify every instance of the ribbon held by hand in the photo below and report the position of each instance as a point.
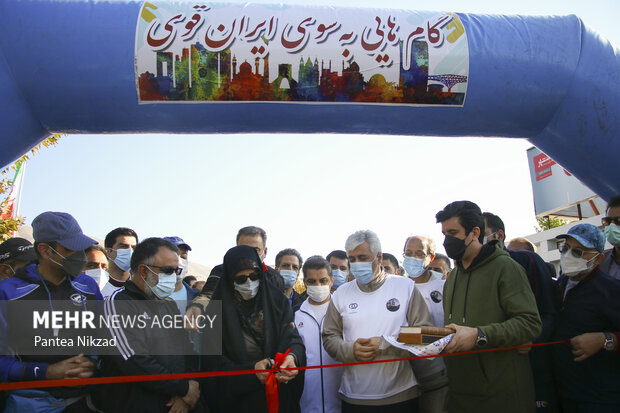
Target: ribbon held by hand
(272, 386)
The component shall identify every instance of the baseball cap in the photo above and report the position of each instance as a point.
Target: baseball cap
(178, 241)
(587, 235)
(62, 228)
(19, 249)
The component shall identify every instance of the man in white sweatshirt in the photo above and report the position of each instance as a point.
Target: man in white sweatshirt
(359, 314)
(321, 385)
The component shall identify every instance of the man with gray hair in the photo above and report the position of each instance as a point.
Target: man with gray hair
(418, 253)
(359, 314)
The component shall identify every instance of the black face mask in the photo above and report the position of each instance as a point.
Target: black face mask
(73, 264)
(455, 247)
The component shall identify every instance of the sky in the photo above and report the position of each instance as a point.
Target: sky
(309, 192)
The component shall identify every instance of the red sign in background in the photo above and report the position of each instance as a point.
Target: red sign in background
(542, 166)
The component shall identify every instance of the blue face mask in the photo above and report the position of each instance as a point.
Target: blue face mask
(340, 277)
(289, 277)
(123, 259)
(362, 271)
(414, 266)
(165, 285)
(612, 232)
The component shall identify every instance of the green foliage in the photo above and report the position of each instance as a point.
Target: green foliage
(8, 226)
(546, 223)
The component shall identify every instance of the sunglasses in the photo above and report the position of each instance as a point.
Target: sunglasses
(607, 221)
(168, 269)
(577, 252)
(240, 279)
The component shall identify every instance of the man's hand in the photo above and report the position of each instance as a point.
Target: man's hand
(366, 349)
(464, 339)
(587, 345)
(76, 367)
(177, 405)
(190, 323)
(262, 365)
(284, 376)
(193, 394)
(525, 350)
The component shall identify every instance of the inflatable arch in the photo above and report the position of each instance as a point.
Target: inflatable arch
(130, 67)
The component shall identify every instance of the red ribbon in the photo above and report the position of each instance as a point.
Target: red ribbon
(37, 384)
(272, 385)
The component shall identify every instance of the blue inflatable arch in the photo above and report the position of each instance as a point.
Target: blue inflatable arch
(69, 67)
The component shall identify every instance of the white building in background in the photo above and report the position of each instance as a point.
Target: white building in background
(558, 194)
(547, 245)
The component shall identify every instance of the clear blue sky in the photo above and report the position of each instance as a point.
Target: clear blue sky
(308, 192)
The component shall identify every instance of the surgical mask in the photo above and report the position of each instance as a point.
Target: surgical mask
(183, 263)
(573, 266)
(318, 293)
(485, 239)
(289, 276)
(165, 284)
(455, 247)
(414, 266)
(362, 271)
(100, 275)
(73, 264)
(612, 232)
(123, 258)
(248, 289)
(340, 277)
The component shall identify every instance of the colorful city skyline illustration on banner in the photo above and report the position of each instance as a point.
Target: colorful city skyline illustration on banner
(214, 52)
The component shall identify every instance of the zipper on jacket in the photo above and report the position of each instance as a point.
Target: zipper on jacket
(320, 355)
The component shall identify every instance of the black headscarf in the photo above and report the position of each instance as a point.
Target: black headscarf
(239, 258)
(250, 312)
(241, 393)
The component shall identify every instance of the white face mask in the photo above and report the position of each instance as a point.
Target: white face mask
(248, 289)
(573, 266)
(318, 293)
(100, 275)
(183, 263)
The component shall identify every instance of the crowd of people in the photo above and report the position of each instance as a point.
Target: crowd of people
(533, 340)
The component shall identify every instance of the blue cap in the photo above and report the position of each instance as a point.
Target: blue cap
(62, 228)
(587, 235)
(178, 241)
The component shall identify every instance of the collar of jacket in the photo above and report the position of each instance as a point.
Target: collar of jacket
(135, 292)
(489, 251)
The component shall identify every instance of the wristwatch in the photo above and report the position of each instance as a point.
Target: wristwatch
(481, 341)
(609, 342)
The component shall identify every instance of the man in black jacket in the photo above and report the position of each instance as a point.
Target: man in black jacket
(144, 351)
(588, 368)
(541, 283)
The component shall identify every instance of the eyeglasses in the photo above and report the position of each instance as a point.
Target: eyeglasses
(607, 221)
(240, 279)
(417, 254)
(168, 269)
(577, 252)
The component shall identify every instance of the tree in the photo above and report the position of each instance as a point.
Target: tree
(8, 224)
(546, 223)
